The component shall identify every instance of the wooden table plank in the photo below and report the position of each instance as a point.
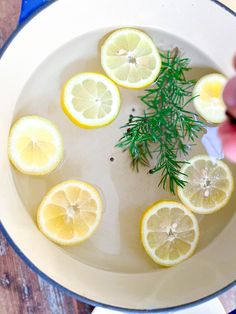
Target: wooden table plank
(9, 12)
(22, 291)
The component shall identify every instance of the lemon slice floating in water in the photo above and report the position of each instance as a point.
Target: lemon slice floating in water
(35, 146)
(91, 100)
(70, 212)
(209, 102)
(130, 58)
(209, 187)
(169, 232)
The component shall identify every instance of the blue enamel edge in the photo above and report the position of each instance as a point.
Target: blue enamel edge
(28, 7)
(23, 23)
(95, 303)
(57, 285)
(224, 7)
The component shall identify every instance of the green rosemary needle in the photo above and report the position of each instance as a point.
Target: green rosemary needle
(166, 130)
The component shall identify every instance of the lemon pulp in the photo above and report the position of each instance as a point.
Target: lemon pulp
(70, 212)
(209, 102)
(91, 100)
(169, 232)
(209, 184)
(35, 146)
(130, 58)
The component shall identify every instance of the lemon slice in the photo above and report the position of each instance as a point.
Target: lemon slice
(130, 58)
(209, 187)
(91, 100)
(169, 232)
(70, 212)
(35, 146)
(209, 102)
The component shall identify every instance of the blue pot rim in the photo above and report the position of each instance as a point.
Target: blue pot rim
(56, 284)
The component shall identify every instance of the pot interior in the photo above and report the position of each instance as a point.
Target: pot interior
(91, 155)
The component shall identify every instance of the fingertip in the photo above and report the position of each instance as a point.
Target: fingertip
(229, 96)
(229, 148)
(234, 62)
(227, 128)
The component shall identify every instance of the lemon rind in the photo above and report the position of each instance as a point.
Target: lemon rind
(45, 201)
(38, 172)
(197, 100)
(124, 84)
(201, 210)
(72, 117)
(155, 258)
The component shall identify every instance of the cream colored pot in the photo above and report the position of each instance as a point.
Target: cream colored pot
(111, 268)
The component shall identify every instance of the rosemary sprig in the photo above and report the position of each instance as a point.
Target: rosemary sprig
(167, 129)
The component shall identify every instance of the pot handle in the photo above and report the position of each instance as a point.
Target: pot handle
(212, 306)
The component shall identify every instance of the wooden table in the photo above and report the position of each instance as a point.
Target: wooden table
(21, 290)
